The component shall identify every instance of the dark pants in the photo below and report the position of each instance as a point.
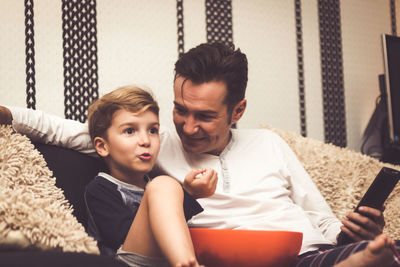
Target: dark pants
(331, 255)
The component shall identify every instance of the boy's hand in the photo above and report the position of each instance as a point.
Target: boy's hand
(5, 115)
(365, 224)
(201, 183)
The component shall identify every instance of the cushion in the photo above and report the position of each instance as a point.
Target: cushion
(34, 212)
(250, 248)
(73, 171)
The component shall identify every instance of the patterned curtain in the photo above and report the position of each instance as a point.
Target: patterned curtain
(332, 72)
(80, 57)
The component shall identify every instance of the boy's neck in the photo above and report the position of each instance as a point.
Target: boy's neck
(137, 179)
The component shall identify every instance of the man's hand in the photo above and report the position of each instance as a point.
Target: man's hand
(365, 224)
(201, 183)
(5, 115)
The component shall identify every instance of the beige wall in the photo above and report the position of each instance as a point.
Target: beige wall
(137, 43)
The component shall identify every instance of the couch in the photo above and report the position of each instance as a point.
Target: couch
(43, 219)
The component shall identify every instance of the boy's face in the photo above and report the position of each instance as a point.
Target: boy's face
(132, 144)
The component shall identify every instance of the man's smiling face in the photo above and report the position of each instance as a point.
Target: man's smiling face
(201, 116)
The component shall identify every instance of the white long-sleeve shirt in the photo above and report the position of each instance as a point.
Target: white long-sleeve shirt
(261, 183)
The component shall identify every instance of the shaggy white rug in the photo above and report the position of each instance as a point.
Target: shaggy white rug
(34, 213)
(343, 176)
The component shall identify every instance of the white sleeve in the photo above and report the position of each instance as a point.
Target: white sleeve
(50, 129)
(306, 194)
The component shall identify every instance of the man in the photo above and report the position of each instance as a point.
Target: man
(261, 185)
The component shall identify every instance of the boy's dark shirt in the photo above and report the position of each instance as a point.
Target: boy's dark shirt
(112, 208)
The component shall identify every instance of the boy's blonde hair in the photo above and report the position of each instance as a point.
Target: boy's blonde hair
(130, 98)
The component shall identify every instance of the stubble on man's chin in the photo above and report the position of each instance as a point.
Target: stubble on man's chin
(196, 150)
(190, 149)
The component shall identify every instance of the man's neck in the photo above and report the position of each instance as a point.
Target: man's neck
(219, 151)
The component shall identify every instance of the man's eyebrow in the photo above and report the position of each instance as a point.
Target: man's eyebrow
(206, 112)
(178, 105)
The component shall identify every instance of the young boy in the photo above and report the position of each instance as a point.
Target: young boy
(141, 227)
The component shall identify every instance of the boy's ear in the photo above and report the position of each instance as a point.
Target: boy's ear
(238, 110)
(101, 147)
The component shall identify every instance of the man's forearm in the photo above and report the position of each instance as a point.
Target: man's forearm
(46, 128)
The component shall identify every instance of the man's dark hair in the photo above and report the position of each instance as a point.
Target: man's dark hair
(216, 62)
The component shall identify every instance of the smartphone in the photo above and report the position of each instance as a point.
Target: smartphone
(376, 195)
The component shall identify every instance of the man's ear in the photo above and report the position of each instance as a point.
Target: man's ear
(101, 147)
(238, 110)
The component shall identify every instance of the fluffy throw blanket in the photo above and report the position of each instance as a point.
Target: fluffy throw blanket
(343, 176)
(34, 213)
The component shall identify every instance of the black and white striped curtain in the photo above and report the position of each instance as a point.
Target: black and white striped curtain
(30, 55)
(219, 21)
(80, 61)
(300, 68)
(330, 34)
(79, 53)
(80, 57)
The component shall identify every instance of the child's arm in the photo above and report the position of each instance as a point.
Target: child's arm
(201, 183)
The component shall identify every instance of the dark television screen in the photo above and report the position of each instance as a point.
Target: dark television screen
(391, 57)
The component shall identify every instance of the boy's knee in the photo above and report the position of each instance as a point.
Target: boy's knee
(163, 183)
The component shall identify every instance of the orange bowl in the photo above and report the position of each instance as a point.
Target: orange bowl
(249, 248)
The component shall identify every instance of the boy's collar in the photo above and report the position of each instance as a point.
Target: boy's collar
(120, 183)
